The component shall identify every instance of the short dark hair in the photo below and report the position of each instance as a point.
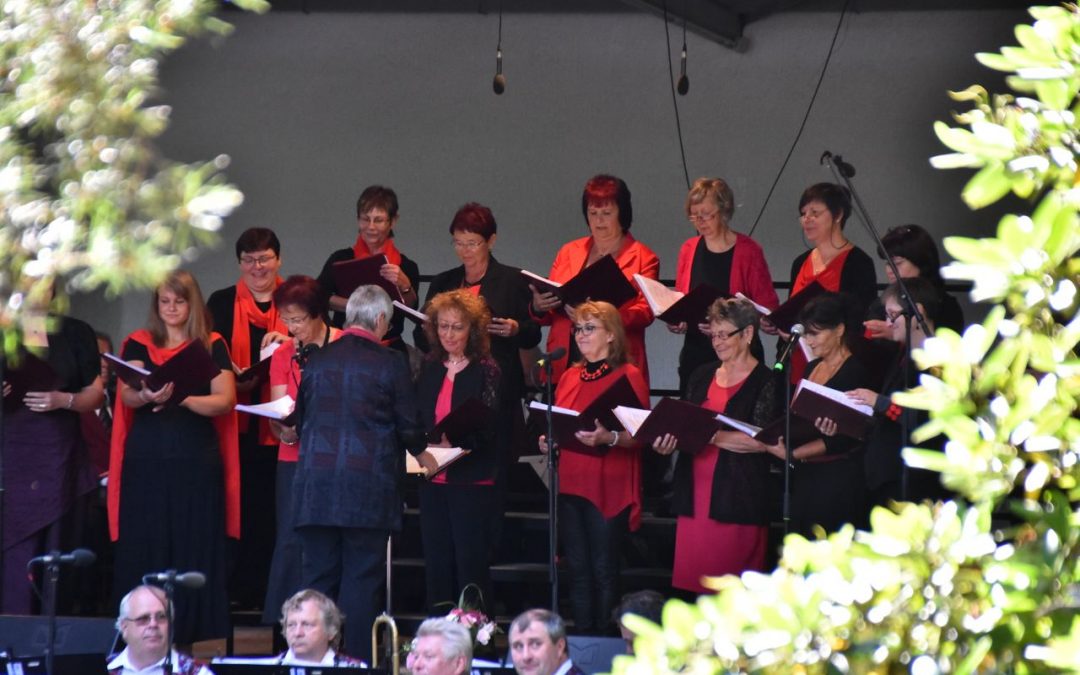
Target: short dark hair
(377, 197)
(914, 244)
(474, 218)
(304, 292)
(603, 188)
(647, 604)
(835, 197)
(257, 239)
(831, 310)
(923, 292)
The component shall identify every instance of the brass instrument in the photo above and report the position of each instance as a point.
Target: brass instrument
(395, 659)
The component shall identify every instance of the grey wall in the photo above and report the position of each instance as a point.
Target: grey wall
(313, 107)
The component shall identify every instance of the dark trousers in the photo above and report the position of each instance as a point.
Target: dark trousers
(349, 565)
(285, 575)
(592, 545)
(456, 527)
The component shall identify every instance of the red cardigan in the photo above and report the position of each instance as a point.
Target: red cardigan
(634, 258)
(749, 271)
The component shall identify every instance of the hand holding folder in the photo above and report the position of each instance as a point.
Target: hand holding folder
(787, 314)
(601, 281)
(351, 274)
(189, 371)
(567, 423)
(692, 425)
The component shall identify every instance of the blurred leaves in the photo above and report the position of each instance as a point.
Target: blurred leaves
(85, 197)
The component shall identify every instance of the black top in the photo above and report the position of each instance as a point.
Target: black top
(329, 287)
(851, 375)
(479, 379)
(952, 316)
(221, 304)
(741, 489)
(73, 354)
(713, 269)
(858, 277)
(508, 297)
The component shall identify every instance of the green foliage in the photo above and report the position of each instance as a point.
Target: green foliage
(941, 588)
(84, 194)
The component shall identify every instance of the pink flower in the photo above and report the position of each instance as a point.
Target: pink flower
(483, 636)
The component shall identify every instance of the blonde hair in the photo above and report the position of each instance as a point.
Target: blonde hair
(609, 318)
(182, 284)
(715, 188)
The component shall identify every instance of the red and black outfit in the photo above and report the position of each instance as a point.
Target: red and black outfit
(174, 494)
(740, 269)
(633, 258)
(722, 497)
(455, 507)
(599, 499)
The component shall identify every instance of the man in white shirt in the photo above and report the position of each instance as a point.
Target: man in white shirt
(538, 644)
(441, 647)
(312, 625)
(144, 624)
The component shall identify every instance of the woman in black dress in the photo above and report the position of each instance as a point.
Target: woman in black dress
(174, 479)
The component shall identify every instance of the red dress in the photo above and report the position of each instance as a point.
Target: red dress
(706, 547)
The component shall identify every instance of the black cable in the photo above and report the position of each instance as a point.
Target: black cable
(674, 100)
(802, 126)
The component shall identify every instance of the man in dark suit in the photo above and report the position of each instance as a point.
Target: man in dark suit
(538, 644)
(355, 414)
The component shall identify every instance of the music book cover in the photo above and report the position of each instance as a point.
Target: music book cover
(568, 422)
(444, 456)
(601, 281)
(672, 306)
(462, 420)
(813, 400)
(261, 369)
(281, 409)
(802, 431)
(691, 424)
(787, 314)
(32, 374)
(190, 370)
(351, 274)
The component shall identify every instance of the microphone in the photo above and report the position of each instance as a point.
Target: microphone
(846, 170)
(183, 579)
(683, 85)
(796, 332)
(499, 83)
(555, 355)
(80, 557)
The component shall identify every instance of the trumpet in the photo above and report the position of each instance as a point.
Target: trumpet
(395, 659)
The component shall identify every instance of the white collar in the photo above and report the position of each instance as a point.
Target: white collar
(565, 667)
(123, 661)
(289, 659)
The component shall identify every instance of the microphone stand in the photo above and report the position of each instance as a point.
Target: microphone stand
(52, 581)
(789, 459)
(169, 586)
(553, 489)
(843, 173)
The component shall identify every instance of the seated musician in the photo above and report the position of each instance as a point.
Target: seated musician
(144, 625)
(312, 626)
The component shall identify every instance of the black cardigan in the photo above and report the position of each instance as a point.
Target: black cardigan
(508, 297)
(741, 489)
(479, 379)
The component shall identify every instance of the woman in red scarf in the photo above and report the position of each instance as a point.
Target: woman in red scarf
(246, 317)
(376, 216)
(173, 472)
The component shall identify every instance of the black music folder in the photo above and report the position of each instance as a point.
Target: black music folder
(691, 424)
(190, 370)
(568, 422)
(602, 281)
(671, 306)
(352, 274)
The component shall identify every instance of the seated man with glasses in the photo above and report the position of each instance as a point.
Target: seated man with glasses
(144, 625)
(312, 623)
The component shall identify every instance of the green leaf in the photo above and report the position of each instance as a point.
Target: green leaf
(996, 62)
(987, 186)
(1055, 94)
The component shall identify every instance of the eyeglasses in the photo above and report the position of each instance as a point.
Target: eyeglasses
(294, 320)
(468, 245)
(701, 217)
(377, 220)
(727, 335)
(585, 329)
(453, 327)
(263, 260)
(893, 317)
(143, 620)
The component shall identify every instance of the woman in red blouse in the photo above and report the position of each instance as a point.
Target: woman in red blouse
(599, 495)
(606, 205)
(302, 308)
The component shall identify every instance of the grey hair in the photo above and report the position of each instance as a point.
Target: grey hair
(332, 618)
(365, 305)
(552, 623)
(457, 641)
(125, 602)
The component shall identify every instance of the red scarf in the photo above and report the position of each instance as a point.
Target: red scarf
(829, 278)
(360, 251)
(246, 313)
(228, 444)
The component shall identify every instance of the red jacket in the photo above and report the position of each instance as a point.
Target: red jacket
(749, 271)
(634, 258)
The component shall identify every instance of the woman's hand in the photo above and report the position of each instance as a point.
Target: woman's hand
(286, 435)
(543, 444)
(158, 398)
(876, 329)
(678, 329)
(705, 329)
(826, 426)
(503, 327)
(864, 396)
(272, 337)
(7, 388)
(597, 437)
(767, 327)
(544, 302)
(444, 442)
(666, 444)
(46, 401)
(428, 463)
(394, 275)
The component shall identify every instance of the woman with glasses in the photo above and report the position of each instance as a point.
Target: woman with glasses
(456, 505)
(376, 216)
(302, 308)
(832, 261)
(174, 469)
(244, 314)
(723, 494)
(828, 485)
(608, 212)
(599, 495)
(718, 256)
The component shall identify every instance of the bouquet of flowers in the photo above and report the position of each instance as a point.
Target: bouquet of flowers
(480, 626)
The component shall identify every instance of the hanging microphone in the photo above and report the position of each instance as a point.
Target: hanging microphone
(796, 332)
(846, 170)
(183, 579)
(499, 83)
(555, 355)
(683, 85)
(80, 557)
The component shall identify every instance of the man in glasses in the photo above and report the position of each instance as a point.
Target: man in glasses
(144, 625)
